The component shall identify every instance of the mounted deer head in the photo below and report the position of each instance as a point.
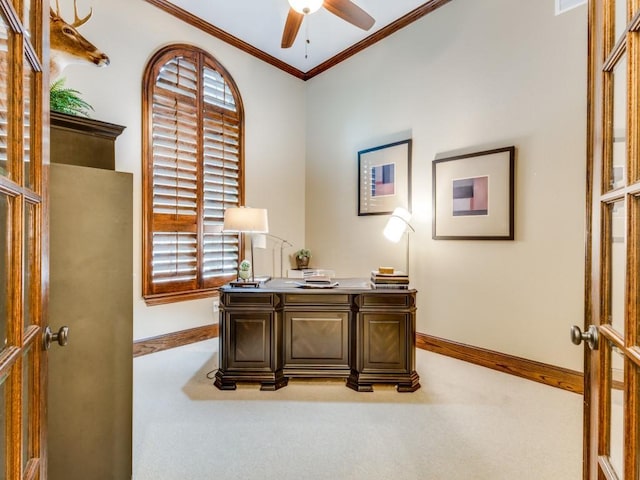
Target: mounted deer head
(68, 46)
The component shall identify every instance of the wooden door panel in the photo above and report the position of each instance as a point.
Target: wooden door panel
(23, 41)
(4, 270)
(612, 399)
(384, 346)
(5, 35)
(252, 334)
(317, 338)
(615, 265)
(30, 267)
(616, 404)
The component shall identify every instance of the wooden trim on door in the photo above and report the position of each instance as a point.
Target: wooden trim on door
(174, 339)
(551, 375)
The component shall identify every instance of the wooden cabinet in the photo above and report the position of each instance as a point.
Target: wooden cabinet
(251, 337)
(276, 332)
(83, 142)
(385, 341)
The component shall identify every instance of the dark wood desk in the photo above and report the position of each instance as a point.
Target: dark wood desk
(280, 331)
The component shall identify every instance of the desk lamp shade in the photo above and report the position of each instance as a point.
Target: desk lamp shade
(245, 220)
(397, 225)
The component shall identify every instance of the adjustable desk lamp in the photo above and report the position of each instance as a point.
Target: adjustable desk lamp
(397, 225)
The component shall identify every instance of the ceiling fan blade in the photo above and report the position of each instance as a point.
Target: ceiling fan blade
(350, 12)
(291, 27)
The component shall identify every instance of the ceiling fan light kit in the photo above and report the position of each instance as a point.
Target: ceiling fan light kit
(306, 6)
(345, 9)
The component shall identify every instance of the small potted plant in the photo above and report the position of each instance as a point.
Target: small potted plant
(302, 257)
(245, 270)
(67, 100)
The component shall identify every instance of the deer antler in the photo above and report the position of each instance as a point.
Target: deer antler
(57, 9)
(79, 21)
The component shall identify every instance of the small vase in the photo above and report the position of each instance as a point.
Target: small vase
(302, 262)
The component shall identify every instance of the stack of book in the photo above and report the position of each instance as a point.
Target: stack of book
(396, 279)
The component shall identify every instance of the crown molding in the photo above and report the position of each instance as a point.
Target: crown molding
(381, 34)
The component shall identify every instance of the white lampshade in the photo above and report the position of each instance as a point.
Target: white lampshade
(245, 219)
(397, 224)
(306, 6)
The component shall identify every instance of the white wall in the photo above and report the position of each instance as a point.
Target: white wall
(130, 32)
(468, 77)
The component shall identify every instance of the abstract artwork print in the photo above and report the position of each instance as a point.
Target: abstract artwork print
(470, 196)
(383, 180)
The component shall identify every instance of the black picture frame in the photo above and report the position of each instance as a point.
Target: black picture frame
(474, 196)
(384, 178)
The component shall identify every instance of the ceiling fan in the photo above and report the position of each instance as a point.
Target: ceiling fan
(345, 9)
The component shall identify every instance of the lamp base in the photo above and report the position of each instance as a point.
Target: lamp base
(245, 283)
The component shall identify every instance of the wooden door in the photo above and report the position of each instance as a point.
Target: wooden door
(23, 234)
(612, 368)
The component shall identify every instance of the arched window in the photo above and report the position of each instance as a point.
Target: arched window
(192, 171)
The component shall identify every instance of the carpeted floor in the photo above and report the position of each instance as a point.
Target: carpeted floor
(465, 423)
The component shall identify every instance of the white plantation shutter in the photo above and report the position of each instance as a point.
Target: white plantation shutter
(193, 173)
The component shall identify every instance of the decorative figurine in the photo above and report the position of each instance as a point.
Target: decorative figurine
(245, 270)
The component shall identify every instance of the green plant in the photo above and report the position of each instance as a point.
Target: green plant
(302, 253)
(67, 100)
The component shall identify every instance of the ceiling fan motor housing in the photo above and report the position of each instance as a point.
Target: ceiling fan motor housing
(306, 6)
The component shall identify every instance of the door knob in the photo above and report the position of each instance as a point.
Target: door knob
(61, 336)
(590, 336)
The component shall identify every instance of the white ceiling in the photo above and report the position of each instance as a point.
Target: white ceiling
(260, 24)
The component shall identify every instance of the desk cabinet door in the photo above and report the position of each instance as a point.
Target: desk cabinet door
(384, 342)
(248, 340)
(317, 338)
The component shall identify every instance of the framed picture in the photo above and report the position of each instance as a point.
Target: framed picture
(473, 196)
(384, 178)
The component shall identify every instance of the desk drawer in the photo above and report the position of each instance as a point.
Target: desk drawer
(387, 300)
(249, 299)
(332, 299)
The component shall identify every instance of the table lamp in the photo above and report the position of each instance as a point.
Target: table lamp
(246, 220)
(397, 225)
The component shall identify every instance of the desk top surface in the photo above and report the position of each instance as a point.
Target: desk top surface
(297, 285)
